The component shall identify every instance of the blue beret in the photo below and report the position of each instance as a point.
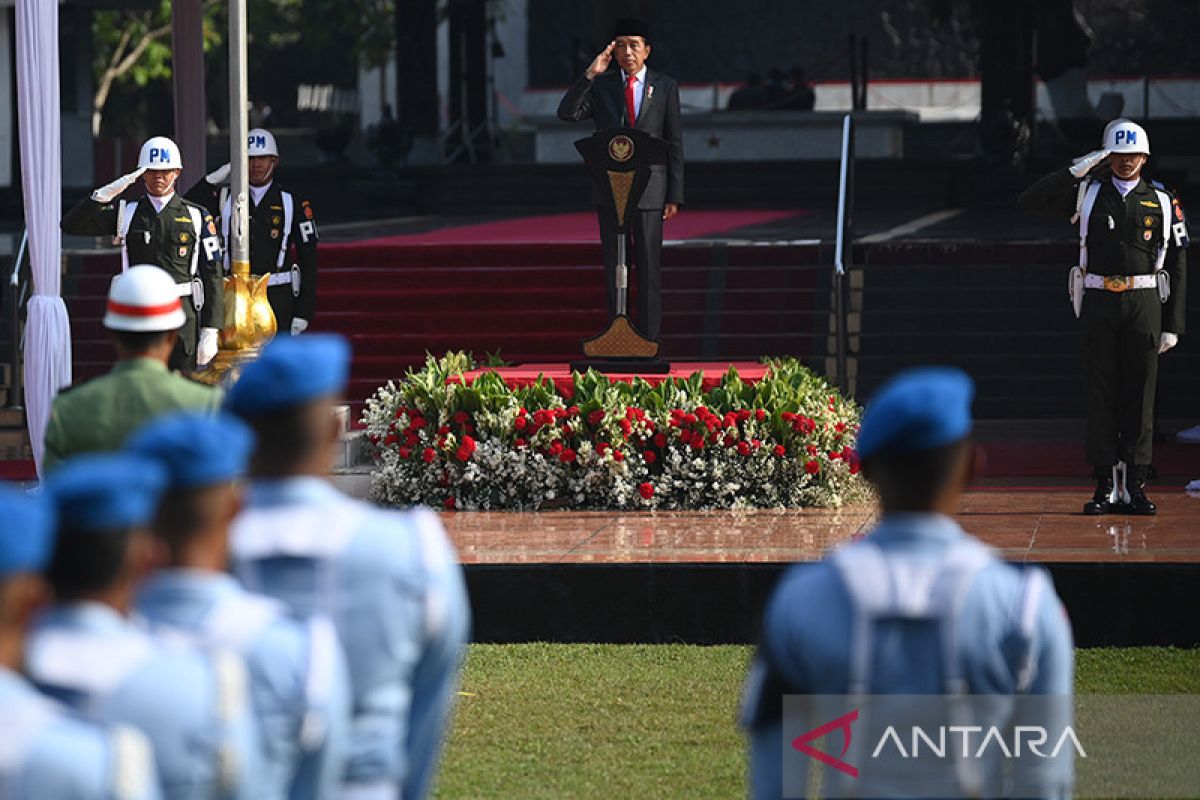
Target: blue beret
(106, 492)
(292, 370)
(917, 410)
(196, 449)
(26, 532)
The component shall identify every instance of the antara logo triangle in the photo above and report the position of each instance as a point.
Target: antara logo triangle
(842, 723)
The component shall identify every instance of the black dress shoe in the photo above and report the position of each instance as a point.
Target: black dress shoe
(1139, 504)
(1099, 503)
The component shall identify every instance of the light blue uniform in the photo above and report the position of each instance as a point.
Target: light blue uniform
(45, 753)
(393, 587)
(192, 705)
(1011, 637)
(298, 680)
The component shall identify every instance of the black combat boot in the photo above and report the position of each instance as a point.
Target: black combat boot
(1139, 504)
(1099, 503)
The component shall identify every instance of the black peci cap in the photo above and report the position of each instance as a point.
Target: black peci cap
(630, 26)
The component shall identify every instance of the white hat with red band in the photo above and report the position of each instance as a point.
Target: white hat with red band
(143, 299)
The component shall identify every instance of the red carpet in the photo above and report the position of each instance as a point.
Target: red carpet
(582, 228)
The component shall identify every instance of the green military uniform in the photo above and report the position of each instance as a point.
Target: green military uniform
(1120, 329)
(275, 246)
(100, 414)
(172, 240)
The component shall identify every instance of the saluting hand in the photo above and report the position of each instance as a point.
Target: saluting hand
(601, 62)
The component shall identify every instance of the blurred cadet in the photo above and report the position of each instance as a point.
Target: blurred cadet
(87, 653)
(143, 316)
(283, 232)
(298, 682)
(389, 579)
(1128, 291)
(749, 96)
(164, 229)
(48, 752)
(918, 606)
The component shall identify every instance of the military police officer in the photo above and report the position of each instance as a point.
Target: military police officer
(283, 232)
(388, 579)
(298, 680)
(918, 606)
(1128, 290)
(143, 316)
(162, 228)
(87, 653)
(48, 753)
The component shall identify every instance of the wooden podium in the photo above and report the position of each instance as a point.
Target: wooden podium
(619, 160)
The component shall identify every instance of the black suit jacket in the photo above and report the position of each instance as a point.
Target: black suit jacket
(603, 101)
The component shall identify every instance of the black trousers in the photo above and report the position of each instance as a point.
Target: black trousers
(183, 357)
(642, 254)
(1120, 372)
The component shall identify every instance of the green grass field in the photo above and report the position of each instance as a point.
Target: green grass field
(643, 721)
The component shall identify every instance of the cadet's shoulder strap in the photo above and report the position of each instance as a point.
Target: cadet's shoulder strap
(226, 213)
(1085, 202)
(197, 215)
(232, 706)
(1034, 584)
(1164, 202)
(132, 763)
(289, 212)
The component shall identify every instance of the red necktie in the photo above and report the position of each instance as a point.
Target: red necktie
(630, 107)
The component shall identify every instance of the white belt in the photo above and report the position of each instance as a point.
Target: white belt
(380, 790)
(279, 279)
(1119, 283)
(184, 289)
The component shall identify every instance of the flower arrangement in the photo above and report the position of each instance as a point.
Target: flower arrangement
(783, 442)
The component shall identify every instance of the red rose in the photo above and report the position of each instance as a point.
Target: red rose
(759, 414)
(519, 423)
(780, 450)
(573, 411)
(730, 441)
(698, 443)
(469, 428)
(461, 417)
(567, 456)
(649, 457)
(618, 455)
(519, 443)
(560, 413)
(442, 431)
(400, 412)
(416, 423)
(755, 443)
(685, 437)
(840, 427)
(787, 416)
(463, 454)
(556, 448)
(390, 439)
(596, 417)
(411, 439)
(602, 447)
(812, 467)
(646, 490)
(521, 411)
(834, 455)
(405, 452)
(626, 427)
(701, 409)
(744, 415)
(660, 440)
(468, 443)
(743, 448)
(428, 455)
(449, 503)
(690, 419)
(854, 467)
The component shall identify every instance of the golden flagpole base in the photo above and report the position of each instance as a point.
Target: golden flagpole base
(249, 324)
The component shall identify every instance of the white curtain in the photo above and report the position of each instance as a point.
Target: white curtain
(47, 328)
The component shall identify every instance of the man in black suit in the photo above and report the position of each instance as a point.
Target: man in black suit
(637, 97)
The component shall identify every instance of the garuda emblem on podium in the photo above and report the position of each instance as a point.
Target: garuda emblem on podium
(620, 148)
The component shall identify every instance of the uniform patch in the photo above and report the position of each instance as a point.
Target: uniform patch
(212, 227)
(308, 213)
(1178, 211)
(277, 208)
(182, 250)
(1148, 221)
(183, 219)
(183, 238)
(1149, 203)
(276, 220)
(275, 233)
(1147, 235)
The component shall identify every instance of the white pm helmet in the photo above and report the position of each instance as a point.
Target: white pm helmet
(260, 142)
(1126, 136)
(159, 152)
(144, 298)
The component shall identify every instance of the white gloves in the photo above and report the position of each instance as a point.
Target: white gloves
(1083, 165)
(108, 193)
(1166, 341)
(299, 326)
(219, 175)
(206, 348)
